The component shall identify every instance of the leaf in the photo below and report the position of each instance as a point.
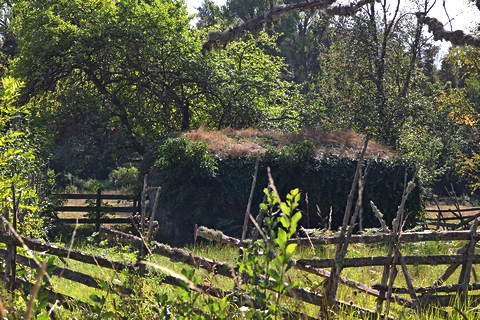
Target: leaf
(285, 208)
(295, 192)
(290, 250)
(284, 221)
(281, 239)
(297, 198)
(294, 221)
(43, 316)
(263, 207)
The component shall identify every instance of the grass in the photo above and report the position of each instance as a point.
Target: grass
(422, 275)
(251, 142)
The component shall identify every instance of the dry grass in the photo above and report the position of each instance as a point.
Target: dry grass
(221, 144)
(251, 142)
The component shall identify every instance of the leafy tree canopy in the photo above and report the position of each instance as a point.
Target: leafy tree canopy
(143, 65)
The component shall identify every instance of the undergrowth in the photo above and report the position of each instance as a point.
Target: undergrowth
(152, 298)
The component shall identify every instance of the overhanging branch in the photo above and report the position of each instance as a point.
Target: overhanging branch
(222, 38)
(457, 37)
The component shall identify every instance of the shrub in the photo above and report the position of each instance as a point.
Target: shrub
(201, 189)
(186, 160)
(92, 185)
(124, 179)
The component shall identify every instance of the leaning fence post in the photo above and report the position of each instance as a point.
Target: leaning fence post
(464, 278)
(98, 208)
(249, 204)
(346, 230)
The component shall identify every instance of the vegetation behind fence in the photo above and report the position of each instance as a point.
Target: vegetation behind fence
(200, 188)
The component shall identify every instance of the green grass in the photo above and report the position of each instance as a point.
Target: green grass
(422, 275)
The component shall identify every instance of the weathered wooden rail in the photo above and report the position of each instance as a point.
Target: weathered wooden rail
(385, 237)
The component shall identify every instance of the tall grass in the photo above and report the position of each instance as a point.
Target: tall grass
(422, 276)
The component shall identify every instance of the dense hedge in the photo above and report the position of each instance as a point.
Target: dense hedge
(199, 188)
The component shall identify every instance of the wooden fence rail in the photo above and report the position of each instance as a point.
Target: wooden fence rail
(386, 237)
(93, 196)
(65, 273)
(457, 221)
(431, 260)
(452, 210)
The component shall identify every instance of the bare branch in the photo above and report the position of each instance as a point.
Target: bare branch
(457, 37)
(219, 39)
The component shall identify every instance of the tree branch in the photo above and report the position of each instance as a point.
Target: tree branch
(219, 39)
(457, 37)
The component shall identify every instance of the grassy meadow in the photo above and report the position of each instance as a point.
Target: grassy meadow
(152, 284)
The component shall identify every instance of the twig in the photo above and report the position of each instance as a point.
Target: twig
(250, 199)
(153, 213)
(34, 291)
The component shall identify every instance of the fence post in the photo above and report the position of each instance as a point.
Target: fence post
(98, 206)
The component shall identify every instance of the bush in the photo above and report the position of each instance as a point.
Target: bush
(201, 189)
(71, 189)
(125, 179)
(185, 160)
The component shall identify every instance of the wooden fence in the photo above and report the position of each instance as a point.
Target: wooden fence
(175, 254)
(465, 259)
(99, 208)
(436, 295)
(456, 219)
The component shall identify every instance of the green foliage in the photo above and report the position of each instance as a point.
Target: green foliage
(186, 160)
(129, 72)
(215, 191)
(125, 179)
(92, 185)
(464, 107)
(253, 90)
(270, 258)
(19, 166)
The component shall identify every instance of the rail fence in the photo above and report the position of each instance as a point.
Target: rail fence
(12, 259)
(464, 259)
(437, 295)
(456, 219)
(99, 208)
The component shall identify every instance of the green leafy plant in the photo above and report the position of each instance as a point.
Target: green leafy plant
(267, 262)
(125, 179)
(19, 162)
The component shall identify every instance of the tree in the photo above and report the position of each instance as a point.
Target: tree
(19, 164)
(145, 65)
(463, 101)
